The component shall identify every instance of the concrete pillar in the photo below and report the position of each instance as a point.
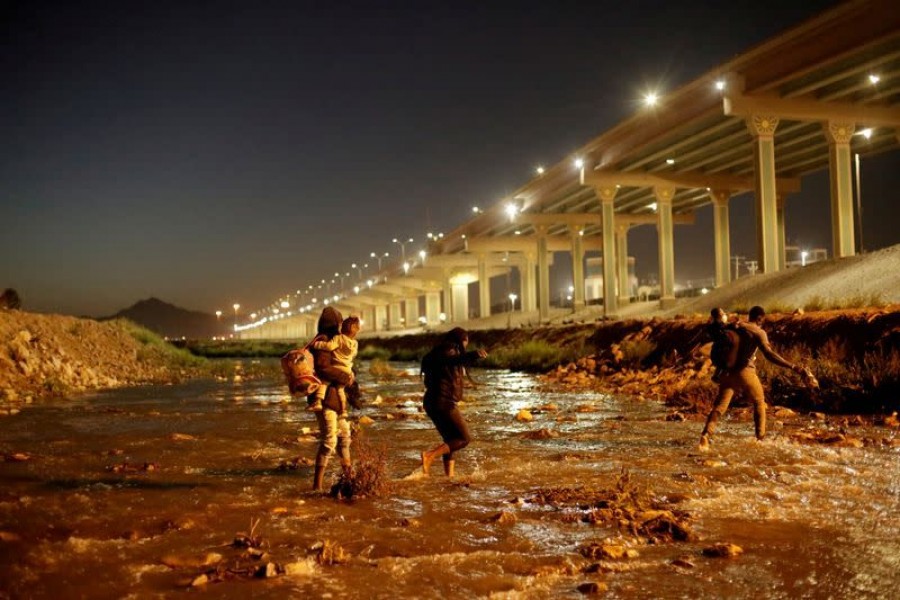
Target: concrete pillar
(577, 266)
(396, 316)
(380, 321)
(460, 302)
(447, 295)
(411, 305)
(608, 214)
(666, 236)
(528, 283)
(484, 288)
(433, 307)
(543, 274)
(779, 224)
(839, 172)
(624, 287)
(721, 236)
(762, 128)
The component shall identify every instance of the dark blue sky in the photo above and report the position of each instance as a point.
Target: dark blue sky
(211, 153)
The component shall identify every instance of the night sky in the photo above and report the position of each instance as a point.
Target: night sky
(208, 153)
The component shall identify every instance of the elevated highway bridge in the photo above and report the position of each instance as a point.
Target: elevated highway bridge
(805, 101)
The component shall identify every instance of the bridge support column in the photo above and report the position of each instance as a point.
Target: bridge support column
(721, 236)
(543, 274)
(779, 223)
(577, 266)
(762, 128)
(433, 308)
(411, 305)
(624, 287)
(380, 322)
(839, 171)
(484, 288)
(527, 282)
(396, 316)
(666, 243)
(447, 296)
(460, 302)
(608, 223)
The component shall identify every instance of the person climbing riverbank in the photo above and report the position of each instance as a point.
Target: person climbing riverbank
(443, 369)
(739, 374)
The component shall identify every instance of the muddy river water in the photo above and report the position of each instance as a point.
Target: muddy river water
(125, 494)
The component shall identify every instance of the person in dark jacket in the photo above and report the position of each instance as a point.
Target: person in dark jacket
(742, 376)
(444, 369)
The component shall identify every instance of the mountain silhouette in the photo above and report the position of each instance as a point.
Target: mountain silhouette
(172, 321)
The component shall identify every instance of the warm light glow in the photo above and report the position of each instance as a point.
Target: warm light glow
(476, 210)
(511, 210)
(406, 267)
(253, 315)
(540, 170)
(866, 133)
(803, 255)
(873, 78)
(422, 255)
(704, 291)
(670, 161)
(356, 289)
(579, 163)
(285, 304)
(651, 99)
(720, 84)
(442, 317)
(218, 313)
(652, 206)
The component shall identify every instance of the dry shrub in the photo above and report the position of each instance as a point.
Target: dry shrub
(369, 474)
(635, 351)
(331, 553)
(380, 369)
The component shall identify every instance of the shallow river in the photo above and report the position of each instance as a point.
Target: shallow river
(813, 521)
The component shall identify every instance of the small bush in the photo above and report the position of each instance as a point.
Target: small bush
(368, 478)
(380, 369)
(635, 351)
(815, 304)
(532, 356)
(9, 299)
(374, 353)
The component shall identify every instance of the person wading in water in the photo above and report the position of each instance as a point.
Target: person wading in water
(739, 375)
(444, 369)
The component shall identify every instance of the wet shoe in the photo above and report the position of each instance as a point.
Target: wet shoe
(703, 446)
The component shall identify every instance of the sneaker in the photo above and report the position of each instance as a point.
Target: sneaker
(703, 446)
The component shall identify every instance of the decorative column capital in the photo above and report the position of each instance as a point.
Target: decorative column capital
(664, 194)
(762, 125)
(839, 132)
(607, 193)
(720, 197)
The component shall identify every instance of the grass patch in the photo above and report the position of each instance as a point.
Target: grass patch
(154, 347)
(373, 353)
(533, 356)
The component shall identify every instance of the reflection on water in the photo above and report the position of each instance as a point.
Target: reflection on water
(120, 483)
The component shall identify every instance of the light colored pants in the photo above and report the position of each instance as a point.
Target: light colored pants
(745, 381)
(334, 431)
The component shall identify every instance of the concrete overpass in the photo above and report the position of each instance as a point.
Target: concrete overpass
(804, 101)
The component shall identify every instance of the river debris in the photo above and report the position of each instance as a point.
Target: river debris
(293, 464)
(627, 506)
(722, 551)
(368, 477)
(127, 467)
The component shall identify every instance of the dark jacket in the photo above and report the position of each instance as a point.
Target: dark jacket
(444, 368)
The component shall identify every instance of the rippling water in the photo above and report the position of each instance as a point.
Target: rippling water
(814, 522)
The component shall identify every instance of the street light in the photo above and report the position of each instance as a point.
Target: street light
(406, 268)
(422, 255)
(358, 270)
(218, 315)
(803, 255)
(402, 247)
(236, 308)
(378, 257)
(512, 308)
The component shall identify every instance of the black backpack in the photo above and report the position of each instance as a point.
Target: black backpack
(726, 346)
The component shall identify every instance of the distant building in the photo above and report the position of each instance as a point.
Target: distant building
(593, 280)
(793, 256)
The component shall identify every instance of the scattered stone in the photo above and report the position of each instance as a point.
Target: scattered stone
(17, 457)
(504, 518)
(524, 415)
(683, 562)
(199, 580)
(784, 413)
(182, 437)
(592, 587)
(365, 420)
(267, 570)
(723, 551)
(180, 561)
(540, 434)
(303, 568)
(675, 416)
(410, 522)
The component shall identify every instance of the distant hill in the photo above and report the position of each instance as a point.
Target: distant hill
(171, 321)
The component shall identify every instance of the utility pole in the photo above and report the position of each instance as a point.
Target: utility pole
(737, 266)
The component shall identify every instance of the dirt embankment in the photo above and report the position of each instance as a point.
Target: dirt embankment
(855, 354)
(42, 355)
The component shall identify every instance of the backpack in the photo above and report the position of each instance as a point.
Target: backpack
(297, 366)
(726, 346)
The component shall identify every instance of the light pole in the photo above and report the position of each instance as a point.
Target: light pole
(803, 255)
(236, 308)
(862, 248)
(378, 257)
(403, 247)
(358, 270)
(512, 308)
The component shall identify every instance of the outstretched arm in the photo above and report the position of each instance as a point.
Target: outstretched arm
(773, 356)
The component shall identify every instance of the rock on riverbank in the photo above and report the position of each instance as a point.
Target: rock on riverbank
(43, 355)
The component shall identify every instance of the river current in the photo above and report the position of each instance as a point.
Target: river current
(126, 493)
